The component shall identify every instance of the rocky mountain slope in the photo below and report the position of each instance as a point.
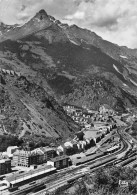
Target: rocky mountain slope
(66, 63)
(27, 110)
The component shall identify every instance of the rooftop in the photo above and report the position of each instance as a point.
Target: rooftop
(16, 176)
(4, 160)
(59, 158)
(46, 149)
(23, 152)
(37, 151)
(12, 147)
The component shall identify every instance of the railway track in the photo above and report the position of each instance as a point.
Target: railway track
(132, 163)
(93, 165)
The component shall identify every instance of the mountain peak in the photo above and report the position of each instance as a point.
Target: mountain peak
(43, 12)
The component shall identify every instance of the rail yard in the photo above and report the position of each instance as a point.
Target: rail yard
(91, 164)
(47, 178)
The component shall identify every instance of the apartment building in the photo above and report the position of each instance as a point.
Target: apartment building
(5, 166)
(59, 162)
(26, 158)
(48, 153)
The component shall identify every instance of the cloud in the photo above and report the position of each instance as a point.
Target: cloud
(14, 11)
(79, 15)
(114, 20)
(18, 11)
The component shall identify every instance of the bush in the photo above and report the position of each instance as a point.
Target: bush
(9, 140)
(105, 181)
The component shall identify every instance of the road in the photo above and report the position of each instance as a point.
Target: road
(61, 178)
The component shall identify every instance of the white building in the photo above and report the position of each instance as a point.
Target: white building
(66, 144)
(11, 149)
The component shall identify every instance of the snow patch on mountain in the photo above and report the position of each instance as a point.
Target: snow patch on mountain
(86, 48)
(133, 82)
(73, 42)
(116, 69)
(125, 84)
(125, 57)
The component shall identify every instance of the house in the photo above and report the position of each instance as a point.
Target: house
(88, 126)
(59, 162)
(66, 144)
(59, 152)
(75, 147)
(60, 148)
(82, 144)
(4, 71)
(80, 135)
(88, 145)
(8, 72)
(87, 141)
(7, 156)
(68, 150)
(18, 74)
(12, 72)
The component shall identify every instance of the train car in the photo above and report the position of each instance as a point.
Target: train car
(123, 154)
(127, 161)
(12, 189)
(39, 188)
(130, 153)
(102, 162)
(89, 158)
(73, 179)
(30, 176)
(112, 149)
(95, 155)
(32, 183)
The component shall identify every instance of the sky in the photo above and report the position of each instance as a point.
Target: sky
(113, 20)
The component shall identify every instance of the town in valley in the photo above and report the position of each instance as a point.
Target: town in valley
(103, 140)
